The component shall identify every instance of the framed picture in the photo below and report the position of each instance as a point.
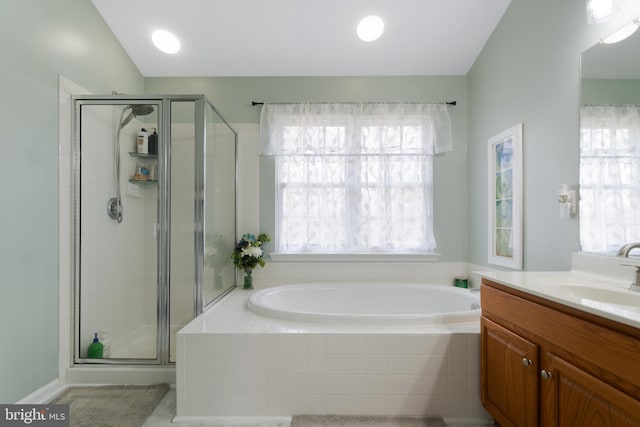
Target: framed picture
(505, 198)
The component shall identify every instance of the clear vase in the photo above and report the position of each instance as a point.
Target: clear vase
(248, 280)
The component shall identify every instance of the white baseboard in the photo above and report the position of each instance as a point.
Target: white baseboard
(44, 394)
(268, 421)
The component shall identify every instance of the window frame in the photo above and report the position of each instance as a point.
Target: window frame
(426, 185)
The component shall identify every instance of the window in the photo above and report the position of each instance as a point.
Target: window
(354, 177)
(609, 177)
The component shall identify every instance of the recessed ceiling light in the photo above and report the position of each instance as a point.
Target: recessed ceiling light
(599, 10)
(165, 41)
(623, 32)
(370, 28)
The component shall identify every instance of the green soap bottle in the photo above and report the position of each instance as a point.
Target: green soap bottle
(95, 348)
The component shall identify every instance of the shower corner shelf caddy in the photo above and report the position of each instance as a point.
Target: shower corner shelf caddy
(148, 157)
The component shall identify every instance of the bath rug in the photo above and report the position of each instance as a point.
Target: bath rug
(363, 421)
(111, 406)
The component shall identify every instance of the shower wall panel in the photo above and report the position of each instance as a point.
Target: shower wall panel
(219, 214)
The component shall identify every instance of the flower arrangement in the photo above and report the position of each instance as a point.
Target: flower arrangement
(248, 254)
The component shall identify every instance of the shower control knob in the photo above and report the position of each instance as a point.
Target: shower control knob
(526, 362)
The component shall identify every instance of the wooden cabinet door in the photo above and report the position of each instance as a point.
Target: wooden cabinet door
(576, 398)
(509, 376)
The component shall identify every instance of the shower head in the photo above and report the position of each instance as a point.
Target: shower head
(114, 206)
(136, 110)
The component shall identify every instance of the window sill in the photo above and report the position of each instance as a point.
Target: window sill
(354, 257)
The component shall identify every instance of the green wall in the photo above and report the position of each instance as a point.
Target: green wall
(232, 96)
(529, 72)
(605, 91)
(40, 40)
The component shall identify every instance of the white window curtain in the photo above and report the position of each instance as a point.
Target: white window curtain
(609, 177)
(354, 177)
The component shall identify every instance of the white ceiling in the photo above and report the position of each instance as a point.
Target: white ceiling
(303, 37)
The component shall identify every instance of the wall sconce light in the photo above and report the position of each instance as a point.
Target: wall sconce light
(599, 11)
(567, 201)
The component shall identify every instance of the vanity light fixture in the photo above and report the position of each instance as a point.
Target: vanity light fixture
(567, 201)
(599, 11)
(165, 41)
(370, 28)
(623, 32)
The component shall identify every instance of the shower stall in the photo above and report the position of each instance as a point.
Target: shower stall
(154, 217)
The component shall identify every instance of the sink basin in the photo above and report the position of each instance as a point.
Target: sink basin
(582, 293)
(613, 299)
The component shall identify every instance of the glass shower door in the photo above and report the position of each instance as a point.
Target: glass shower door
(116, 233)
(153, 230)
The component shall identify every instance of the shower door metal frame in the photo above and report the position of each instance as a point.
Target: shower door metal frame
(163, 218)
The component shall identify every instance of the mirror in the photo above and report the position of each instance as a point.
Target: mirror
(609, 67)
(610, 146)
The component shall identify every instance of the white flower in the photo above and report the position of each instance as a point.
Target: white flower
(252, 251)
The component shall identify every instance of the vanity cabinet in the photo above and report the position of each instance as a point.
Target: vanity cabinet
(510, 387)
(547, 364)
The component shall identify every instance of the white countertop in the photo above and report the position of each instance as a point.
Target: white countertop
(604, 296)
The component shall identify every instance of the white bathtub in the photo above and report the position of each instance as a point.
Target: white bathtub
(234, 364)
(347, 302)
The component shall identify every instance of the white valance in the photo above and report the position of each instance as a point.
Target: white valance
(355, 128)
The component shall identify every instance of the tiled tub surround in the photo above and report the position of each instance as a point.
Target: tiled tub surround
(234, 364)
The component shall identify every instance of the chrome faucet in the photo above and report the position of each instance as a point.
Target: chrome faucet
(635, 286)
(624, 251)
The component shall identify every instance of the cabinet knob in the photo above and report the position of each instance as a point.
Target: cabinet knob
(545, 374)
(526, 362)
